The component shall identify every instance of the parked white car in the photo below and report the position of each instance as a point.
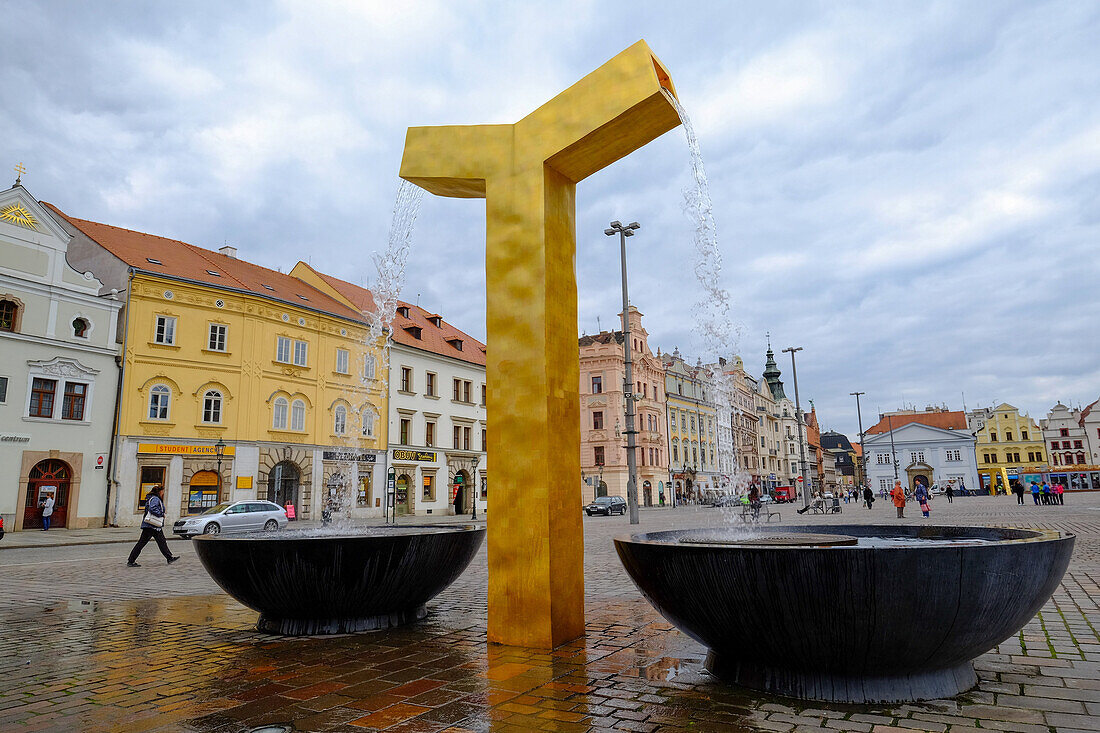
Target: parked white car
(233, 517)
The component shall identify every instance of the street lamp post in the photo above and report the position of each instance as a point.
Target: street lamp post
(861, 464)
(219, 451)
(473, 515)
(792, 350)
(628, 379)
(893, 451)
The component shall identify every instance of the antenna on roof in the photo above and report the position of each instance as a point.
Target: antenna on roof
(598, 327)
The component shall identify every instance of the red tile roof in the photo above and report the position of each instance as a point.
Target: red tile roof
(942, 420)
(180, 259)
(436, 339)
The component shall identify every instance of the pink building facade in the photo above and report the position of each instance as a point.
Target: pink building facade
(603, 416)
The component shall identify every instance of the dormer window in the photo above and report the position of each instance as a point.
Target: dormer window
(414, 331)
(436, 321)
(403, 311)
(457, 343)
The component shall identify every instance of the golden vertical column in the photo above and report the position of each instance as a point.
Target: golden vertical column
(528, 173)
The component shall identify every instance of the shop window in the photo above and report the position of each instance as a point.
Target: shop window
(42, 397)
(203, 491)
(298, 415)
(159, 400)
(212, 407)
(280, 413)
(340, 420)
(72, 405)
(150, 476)
(80, 328)
(429, 488)
(362, 493)
(484, 487)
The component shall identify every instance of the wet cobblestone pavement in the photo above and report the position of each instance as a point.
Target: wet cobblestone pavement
(89, 645)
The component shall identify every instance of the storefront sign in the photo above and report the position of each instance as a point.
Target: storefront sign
(15, 438)
(244, 482)
(414, 455)
(348, 455)
(184, 450)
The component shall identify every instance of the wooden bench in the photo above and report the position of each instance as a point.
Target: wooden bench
(766, 511)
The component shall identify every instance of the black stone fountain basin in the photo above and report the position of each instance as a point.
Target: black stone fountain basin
(896, 615)
(323, 583)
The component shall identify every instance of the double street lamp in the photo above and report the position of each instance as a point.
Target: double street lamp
(473, 502)
(219, 451)
(792, 350)
(861, 464)
(617, 227)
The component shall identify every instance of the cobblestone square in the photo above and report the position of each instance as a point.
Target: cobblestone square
(90, 645)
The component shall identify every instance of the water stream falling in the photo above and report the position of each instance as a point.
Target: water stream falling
(386, 287)
(713, 314)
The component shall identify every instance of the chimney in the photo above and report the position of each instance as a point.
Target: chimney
(228, 251)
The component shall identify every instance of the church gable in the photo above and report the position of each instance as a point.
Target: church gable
(22, 217)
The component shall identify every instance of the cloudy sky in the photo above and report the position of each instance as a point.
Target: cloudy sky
(909, 191)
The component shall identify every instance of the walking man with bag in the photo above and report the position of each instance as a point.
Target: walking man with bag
(152, 528)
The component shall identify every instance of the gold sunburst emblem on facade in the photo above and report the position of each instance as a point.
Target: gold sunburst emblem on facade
(17, 214)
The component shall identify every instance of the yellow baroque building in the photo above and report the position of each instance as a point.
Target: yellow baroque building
(238, 382)
(1009, 446)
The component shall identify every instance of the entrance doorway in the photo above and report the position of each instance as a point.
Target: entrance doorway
(282, 485)
(461, 493)
(48, 478)
(203, 492)
(601, 490)
(401, 498)
(647, 493)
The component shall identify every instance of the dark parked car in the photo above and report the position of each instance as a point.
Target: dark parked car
(606, 505)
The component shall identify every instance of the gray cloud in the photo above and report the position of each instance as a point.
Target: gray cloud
(908, 192)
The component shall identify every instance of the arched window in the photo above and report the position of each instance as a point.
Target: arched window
(368, 422)
(159, 398)
(80, 328)
(279, 413)
(212, 406)
(9, 312)
(298, 415)
(340, 421)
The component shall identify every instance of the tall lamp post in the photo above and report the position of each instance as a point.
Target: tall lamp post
(893, 451)
(861, 464)
(628, 379)
(792, 350)
(219, 451)
(473, 514)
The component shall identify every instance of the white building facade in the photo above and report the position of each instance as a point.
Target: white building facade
(58, 373)
(923, 453)
(437, 423)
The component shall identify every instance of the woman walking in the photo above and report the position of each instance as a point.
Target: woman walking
(152, 528)
(899, 498)
(868, 496)
(921, 495)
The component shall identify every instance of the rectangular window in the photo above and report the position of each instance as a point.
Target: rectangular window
(992, 437)
(406, 379)
(282, 350)
(150, 477)
(458, 390)
(429, 488)
(597, 385)
(1063, 432)
(884, 484)
(598, 455)
(1023, 435)
(467, 392)
(298, 415)
(166, 330)
(429, 384)
(484, 442)
(342, 361)
(362, 495)
(457, 437)
(369, 366)
(465, 439)
(1008, 436)
(597, 420)
(301, 350)
(429, 434)
(42, 397)
(405, 423)
(1077, 444)
(3, 390)
(483, 394)
(216, 340)
(916, 456)
(72, 406)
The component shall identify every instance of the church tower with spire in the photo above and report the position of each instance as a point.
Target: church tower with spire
(771, 375)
